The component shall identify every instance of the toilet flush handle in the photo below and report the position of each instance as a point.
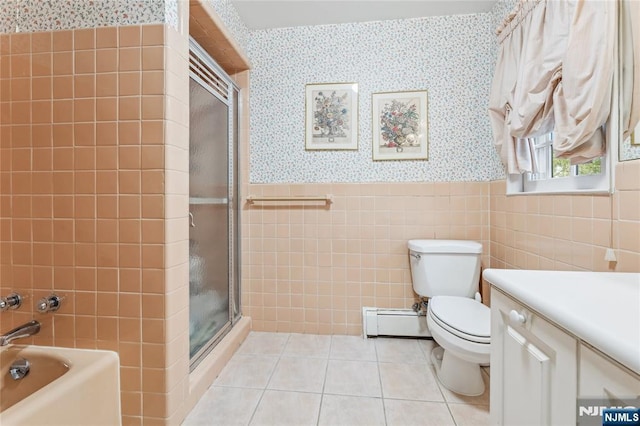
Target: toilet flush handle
(416, 256)
(517, 317)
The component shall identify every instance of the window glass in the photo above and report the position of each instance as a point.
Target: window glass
(558, 175)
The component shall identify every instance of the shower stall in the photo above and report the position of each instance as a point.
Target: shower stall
(214, 281)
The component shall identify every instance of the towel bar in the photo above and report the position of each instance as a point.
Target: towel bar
(256, 198)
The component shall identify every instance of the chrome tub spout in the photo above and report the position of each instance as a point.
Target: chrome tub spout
(24, 330)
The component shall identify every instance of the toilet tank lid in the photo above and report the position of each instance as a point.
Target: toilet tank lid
(445, 246)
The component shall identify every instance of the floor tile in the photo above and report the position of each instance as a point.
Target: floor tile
(417, 413)
(224, 406)
(358, 378)
(298, 379)
(287, 408)
(337, 410)
(247, 371)
(261, 343)
(427, 346)
(299, 374)
(409, 381)
(353, 348)
(399, 350)
(308, 345)
(470, 415)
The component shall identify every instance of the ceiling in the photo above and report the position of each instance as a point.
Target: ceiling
(263, 14)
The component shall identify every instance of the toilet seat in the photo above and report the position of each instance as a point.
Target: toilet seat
(456, 342)
(463, 317)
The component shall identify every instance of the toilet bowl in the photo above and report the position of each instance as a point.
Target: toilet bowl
(461, 326)
(448, 272)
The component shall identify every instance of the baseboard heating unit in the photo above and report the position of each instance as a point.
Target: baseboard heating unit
(394, 322)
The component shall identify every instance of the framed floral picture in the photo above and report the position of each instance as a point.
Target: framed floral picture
(331, 116)
(400, 126)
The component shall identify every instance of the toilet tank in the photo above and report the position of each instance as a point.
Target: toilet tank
(445, 267)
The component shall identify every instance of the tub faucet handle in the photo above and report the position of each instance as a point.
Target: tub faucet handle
(49, 304)
(12, 301)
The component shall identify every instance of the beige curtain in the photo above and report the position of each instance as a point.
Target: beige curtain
(630, 59)
(516, 153)
(554, 73)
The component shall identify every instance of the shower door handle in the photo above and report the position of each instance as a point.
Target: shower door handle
(191, 223)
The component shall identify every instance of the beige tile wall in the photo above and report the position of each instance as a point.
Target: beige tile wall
(568, 232)
(308, 268)
(85, 209)
(94, 198)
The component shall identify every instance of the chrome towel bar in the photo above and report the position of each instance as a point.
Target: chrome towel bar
(251, 199)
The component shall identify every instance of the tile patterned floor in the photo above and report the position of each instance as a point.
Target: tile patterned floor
(303, 379)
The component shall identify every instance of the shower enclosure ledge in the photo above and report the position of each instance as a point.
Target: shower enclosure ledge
(206, 372)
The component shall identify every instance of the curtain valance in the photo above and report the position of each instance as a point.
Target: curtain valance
(554, 73)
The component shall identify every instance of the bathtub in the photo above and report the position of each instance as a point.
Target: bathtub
(63, 387)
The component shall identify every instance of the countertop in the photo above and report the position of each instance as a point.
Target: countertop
(600, 308)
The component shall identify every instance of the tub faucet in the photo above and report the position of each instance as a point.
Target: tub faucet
(24, 330)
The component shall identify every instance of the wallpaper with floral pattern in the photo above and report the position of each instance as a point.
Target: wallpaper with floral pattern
(450, 57)
(51, 15)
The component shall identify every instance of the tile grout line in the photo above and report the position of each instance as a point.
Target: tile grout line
(324, 382)
(384, 408)
(451, 414)
(270, 377)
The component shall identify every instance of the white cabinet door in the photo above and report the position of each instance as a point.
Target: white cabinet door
(603, 382)
(533, 367)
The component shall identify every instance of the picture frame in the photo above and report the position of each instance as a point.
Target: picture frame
(331, 116)
(400, 125)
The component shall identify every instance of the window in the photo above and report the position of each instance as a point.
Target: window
(558, 175)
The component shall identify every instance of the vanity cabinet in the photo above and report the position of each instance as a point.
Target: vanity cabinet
(533, 367)
(555, 344)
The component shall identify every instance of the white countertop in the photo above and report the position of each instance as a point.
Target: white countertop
(600, 308)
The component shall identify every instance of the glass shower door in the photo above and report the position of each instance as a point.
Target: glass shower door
(209, 231)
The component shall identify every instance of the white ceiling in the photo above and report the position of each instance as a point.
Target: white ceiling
(262, 14)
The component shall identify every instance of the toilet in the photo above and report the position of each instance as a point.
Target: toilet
(447, 272)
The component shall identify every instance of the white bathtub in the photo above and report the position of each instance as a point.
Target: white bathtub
(63, 387)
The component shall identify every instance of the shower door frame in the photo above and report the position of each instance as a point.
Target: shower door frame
(232, 101)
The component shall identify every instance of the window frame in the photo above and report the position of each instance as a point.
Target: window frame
(574, 184)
